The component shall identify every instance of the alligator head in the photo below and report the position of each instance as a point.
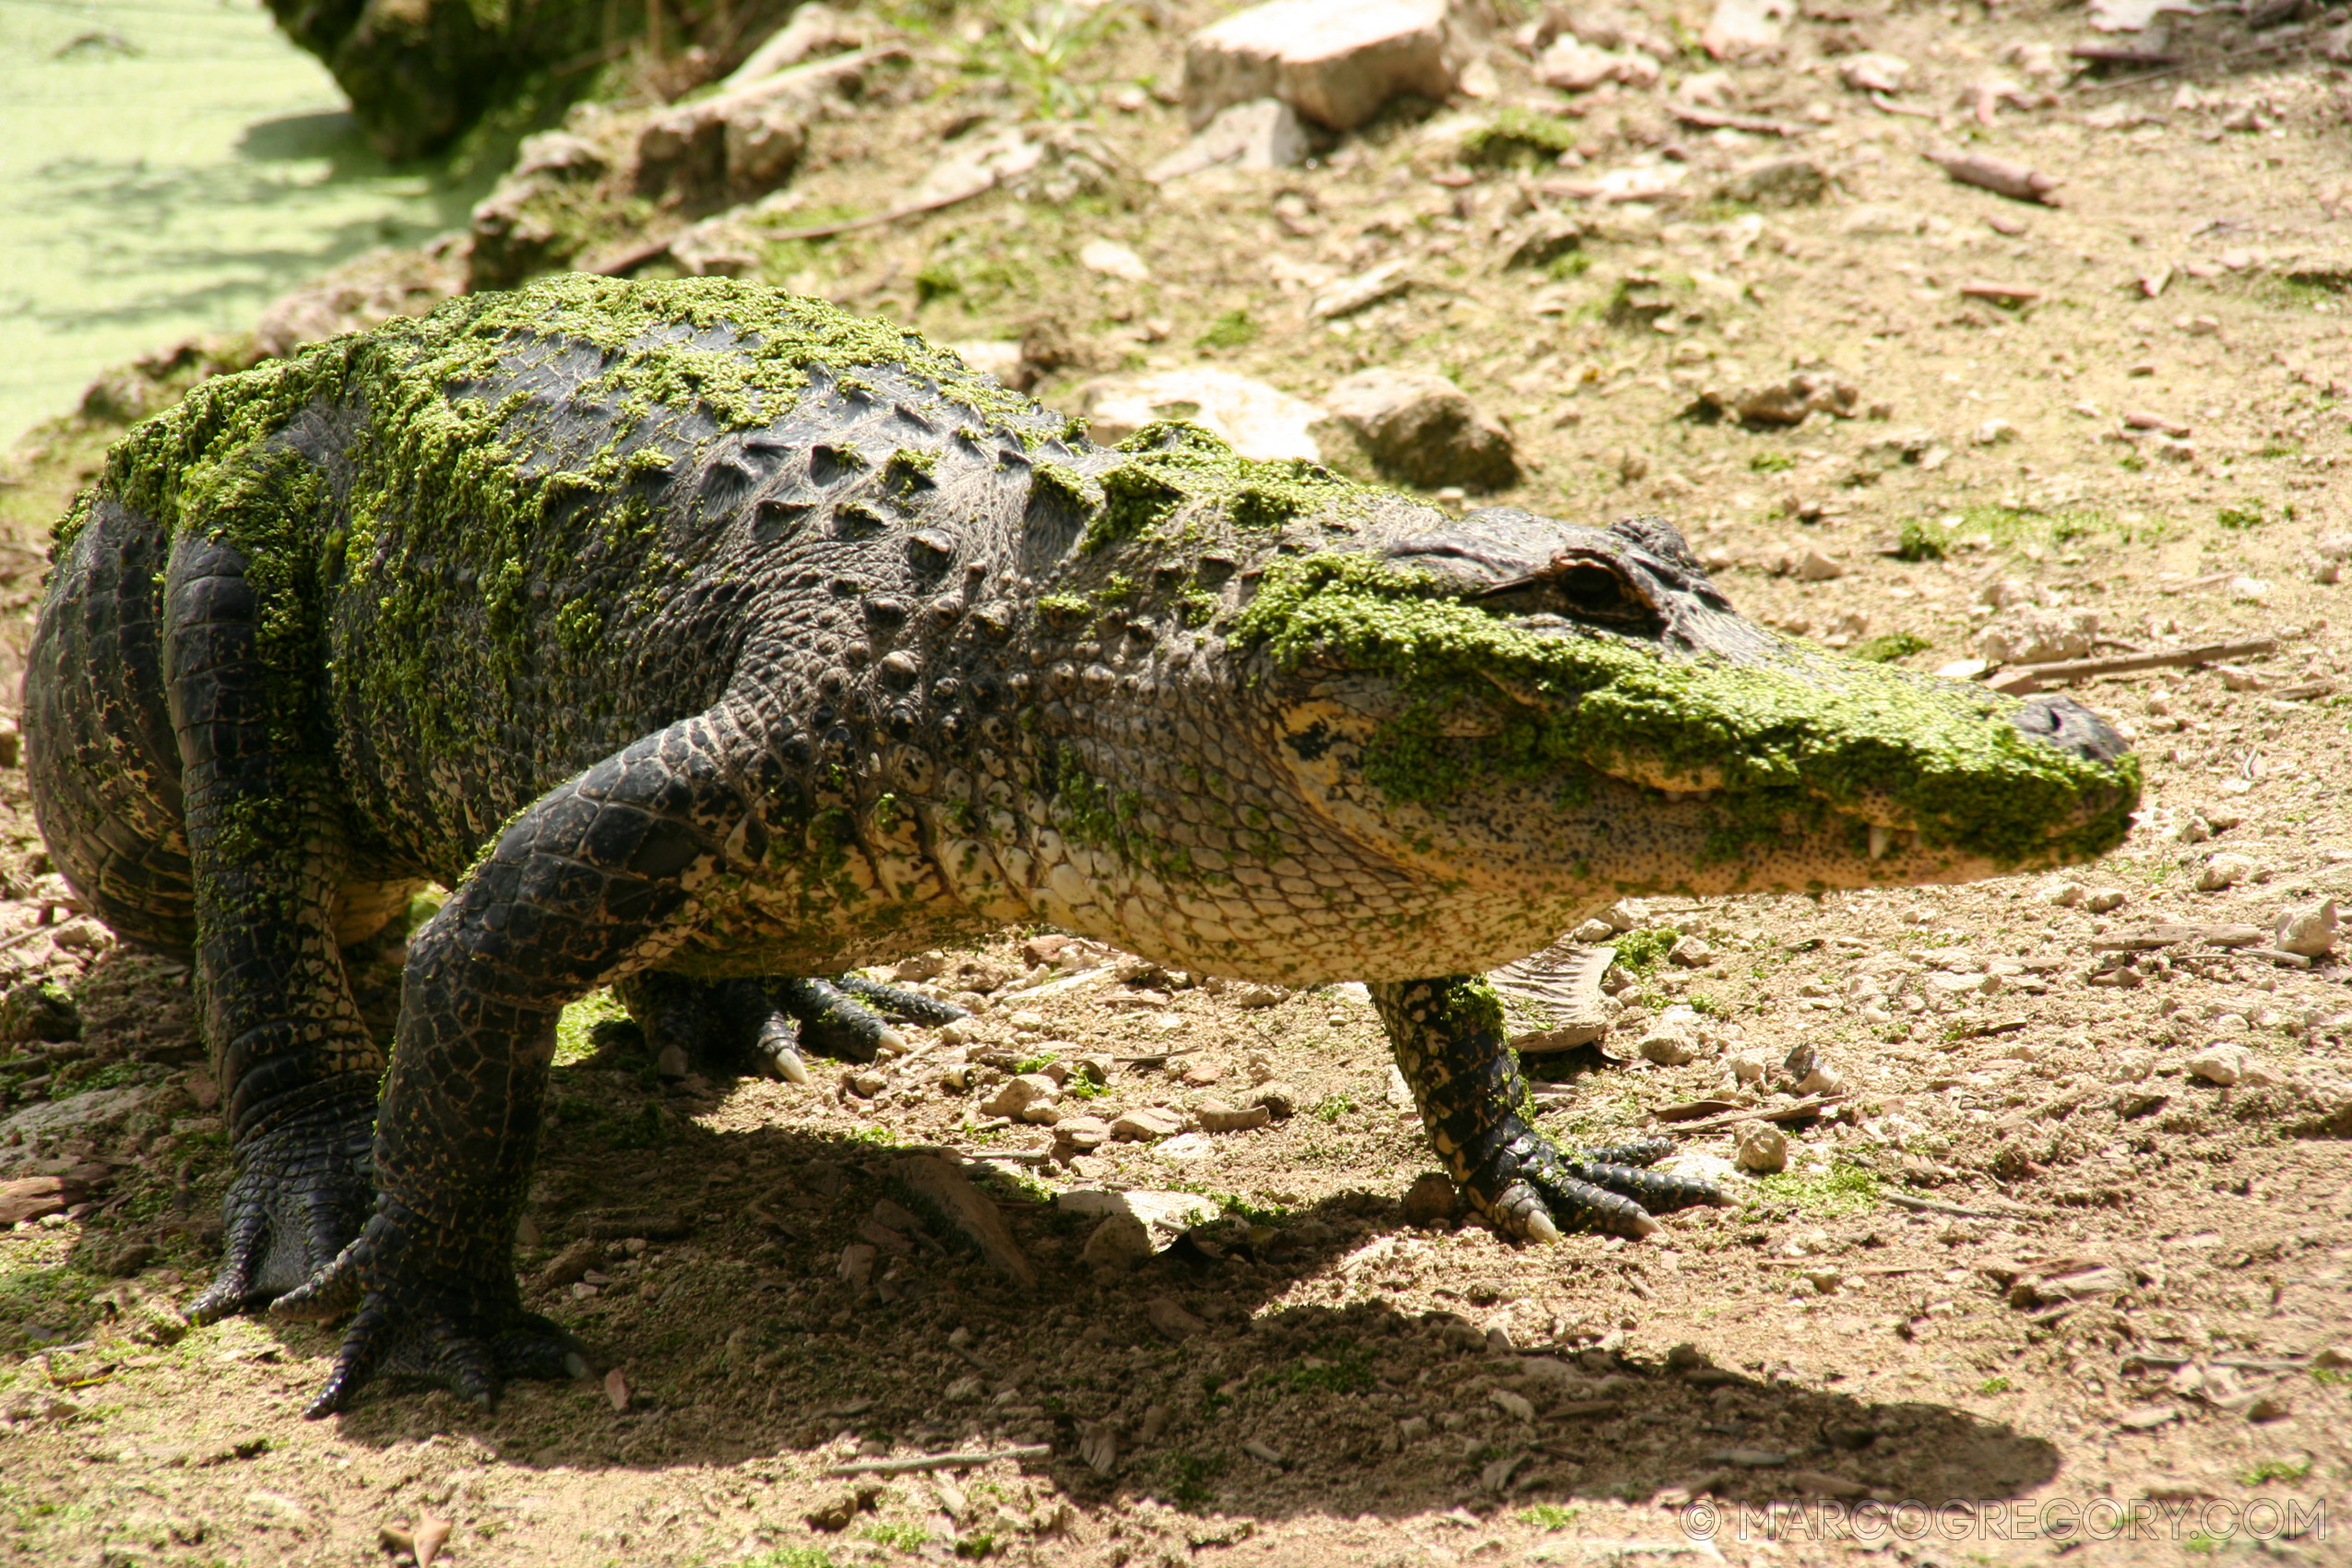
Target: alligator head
(1470, 734)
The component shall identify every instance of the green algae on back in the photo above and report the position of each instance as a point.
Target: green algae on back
(1802, 727)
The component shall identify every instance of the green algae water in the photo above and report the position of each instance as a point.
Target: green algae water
(166, 168)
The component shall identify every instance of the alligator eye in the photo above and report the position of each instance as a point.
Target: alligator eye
(1586, 591)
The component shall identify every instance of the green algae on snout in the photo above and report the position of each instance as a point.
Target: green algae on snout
(1798, 730)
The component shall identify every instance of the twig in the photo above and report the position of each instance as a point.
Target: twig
(1889, 106)
(922, 1462)
(1723, 120)
(1929, 1205)
(2028, 677)
(2245, 53)
(1999, 175)
(1803, 1107)
(826, 231)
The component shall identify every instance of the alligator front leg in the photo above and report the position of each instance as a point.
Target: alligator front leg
(578, 892)
(267, 851)
(1449, 1039)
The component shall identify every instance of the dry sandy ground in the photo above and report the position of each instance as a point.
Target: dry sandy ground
(2030, 1290)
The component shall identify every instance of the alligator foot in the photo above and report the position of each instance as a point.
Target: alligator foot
(1449, 1039)
(767, 1023)
(466, 1335)
(301, 1191)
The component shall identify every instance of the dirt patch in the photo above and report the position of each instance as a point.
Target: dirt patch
(2023, 1257)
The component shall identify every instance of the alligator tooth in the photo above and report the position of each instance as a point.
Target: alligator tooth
(1882, 841)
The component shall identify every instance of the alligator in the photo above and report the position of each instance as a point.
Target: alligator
(706, 642)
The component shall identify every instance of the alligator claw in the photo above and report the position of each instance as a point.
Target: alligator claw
(300, 1194)
(436, 1344)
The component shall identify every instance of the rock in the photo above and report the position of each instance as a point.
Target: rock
(1738, 29)
(1419, 430)
(813, 30)
(1218, 1116)
(1172, 1320)
(1118, 1240)
(2062, 894)
(566, 1266)
(1671, 1038)
(1874, 72)
(1279, 1098)
(37, 1010)
(1789, 402)
(1364, 290)
(1432, 1197)
(1020, 1094)
(1690, 953)
(2221, 1063)
(1145, 1125)
(2224, 871)
(1823, 1079)
(2310, 931)
(1545, 238)
(1257, 421)
(1516, 1405)
(1573, 65)
(1412, 1429)
(1113, 260)
(1777, 182)
(1256, 995)
(1201, 1075)
(942, 1185)
(81, 1115)
(2104, 899)
(1164, 1216)
(1336, 62)
(1763, 1148)
(2029, 635)
(1263, 134)
(1750, 1067)
(856, 1267)
(420, 72)
(32, 1197)
(1081, 1134)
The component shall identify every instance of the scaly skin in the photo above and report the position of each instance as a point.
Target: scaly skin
(706, 642)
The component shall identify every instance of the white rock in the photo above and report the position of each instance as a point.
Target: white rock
(1671, 1038)
(1750, 1066)
(1113, 260)
(2029, 635)
(1186, 1147)
(1362, 291)
(1994, 432)
(1763, 1148)
(1164, 1217)
(1816, 567)
(2223, 1062)
(1422, 430)
(1257, 421)
(1573, 67)
(2224, 871)
(1264, 132)
(2310, 931)
(2062, 894)
(1690, 953)
(1118, 1240)
(1021, 1094)
(2104, 899)
(1334, 61)
(1745, 27)
(999, 357)
(1874, 72)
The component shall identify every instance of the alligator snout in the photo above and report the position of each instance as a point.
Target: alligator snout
(2072, 728)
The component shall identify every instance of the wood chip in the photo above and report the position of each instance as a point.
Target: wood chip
(1998, 175)
(1723, 120)
(2141, 419)
(2000, 293)
(970, 1210)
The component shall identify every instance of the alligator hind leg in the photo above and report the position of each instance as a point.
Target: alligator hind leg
(1449, 1039)
(268, 858)
(767, 1022)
